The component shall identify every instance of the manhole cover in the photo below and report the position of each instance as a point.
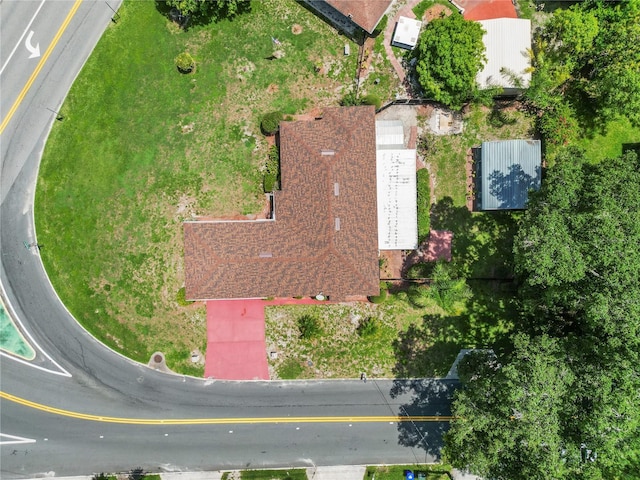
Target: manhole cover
(157, 358)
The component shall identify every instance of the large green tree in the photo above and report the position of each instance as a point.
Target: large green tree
(509, 415)
(589, 56)
(577, 257)
(577, 252)
(449, 55)
(204, 8)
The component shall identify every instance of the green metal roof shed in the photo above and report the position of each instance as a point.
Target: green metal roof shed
(506, 171)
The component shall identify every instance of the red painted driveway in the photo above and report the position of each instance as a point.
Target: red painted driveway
(236, 348)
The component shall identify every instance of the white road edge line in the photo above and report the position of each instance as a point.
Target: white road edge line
(15, 317)
(14, 440)
(21, 37)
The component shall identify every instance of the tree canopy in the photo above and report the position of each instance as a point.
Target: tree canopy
(213, 8)
(509, 423)
(565, 403)
(587, 64)
(449, 55)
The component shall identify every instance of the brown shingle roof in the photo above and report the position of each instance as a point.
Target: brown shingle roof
(364, 13)
(304, 251)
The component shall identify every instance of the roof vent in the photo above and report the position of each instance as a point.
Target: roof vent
(337, 224)
(336, 189)
(266, 255)
(327, 153)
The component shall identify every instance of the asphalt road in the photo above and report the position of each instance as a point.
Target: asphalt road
(77, 374)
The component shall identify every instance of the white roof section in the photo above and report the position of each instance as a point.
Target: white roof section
(407, 33)
(506, 42)
(397, 195)
(397, 199)
(389, 134)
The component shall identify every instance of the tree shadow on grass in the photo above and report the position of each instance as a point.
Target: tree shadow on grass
(482, 244)
(427, 349)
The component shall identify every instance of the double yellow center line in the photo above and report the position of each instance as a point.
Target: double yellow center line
(41, 63)
(219, 421)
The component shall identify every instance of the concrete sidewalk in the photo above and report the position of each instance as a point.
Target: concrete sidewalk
(340, 472)
(337, 472)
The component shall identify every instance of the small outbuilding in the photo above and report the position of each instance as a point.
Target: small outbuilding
(507, 43)
(506, 170)
(406, 33)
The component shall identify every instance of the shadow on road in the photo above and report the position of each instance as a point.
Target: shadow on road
(427, 397)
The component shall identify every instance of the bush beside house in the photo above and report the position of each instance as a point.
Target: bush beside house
(424, 204)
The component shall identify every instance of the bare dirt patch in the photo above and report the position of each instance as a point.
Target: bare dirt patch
(296, 29)
(436, 11)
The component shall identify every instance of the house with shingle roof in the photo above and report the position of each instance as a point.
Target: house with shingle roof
(347, 14)
(323, 234)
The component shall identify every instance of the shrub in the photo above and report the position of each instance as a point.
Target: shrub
(136, 474)
(418, 295)
(447, 290)
(350, 100)
(309, 326)
(368, 327)
(558, 124)
(371, 99)
(272, 169)
(181, 298)
(382, 297)
(424, 204)
(402, 295)
(185, 63)
(382, 24)
(271, 123)
(420, 270)
(269, 182)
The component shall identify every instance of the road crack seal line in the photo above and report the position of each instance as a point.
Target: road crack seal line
(220, 421)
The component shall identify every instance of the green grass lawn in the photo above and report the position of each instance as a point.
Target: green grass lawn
(143, 147)
(396, 472)
(409, 341)
(609, 145)
(292, 474)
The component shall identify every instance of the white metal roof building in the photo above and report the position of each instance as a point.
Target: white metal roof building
(396, 181)
(406, 33)
(507, 42)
